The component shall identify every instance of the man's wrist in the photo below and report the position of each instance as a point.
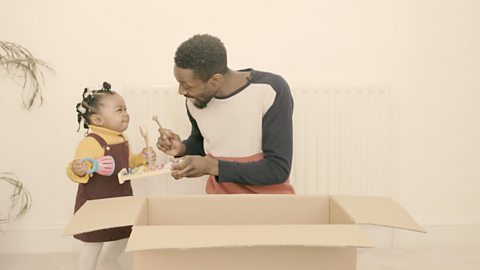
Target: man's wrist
(183, 150)
(212, 166)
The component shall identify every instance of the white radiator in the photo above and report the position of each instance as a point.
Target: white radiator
(342, 138)
(342, 141)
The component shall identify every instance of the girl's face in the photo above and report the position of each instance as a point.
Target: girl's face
(113, 113)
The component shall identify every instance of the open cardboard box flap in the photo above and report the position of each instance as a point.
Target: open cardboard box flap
(267, 231)
(241, 228)
(373, 210)
(107, 213)
(216, 236)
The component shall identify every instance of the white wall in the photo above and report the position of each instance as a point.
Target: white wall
(426, 50)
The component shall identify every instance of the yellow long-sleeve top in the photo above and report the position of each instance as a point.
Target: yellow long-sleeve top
(89, 147)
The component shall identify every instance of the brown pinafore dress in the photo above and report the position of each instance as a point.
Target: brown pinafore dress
(101, 186)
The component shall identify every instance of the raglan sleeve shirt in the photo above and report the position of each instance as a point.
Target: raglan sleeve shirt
(276, 140)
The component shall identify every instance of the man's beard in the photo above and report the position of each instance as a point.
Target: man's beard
(199, 103)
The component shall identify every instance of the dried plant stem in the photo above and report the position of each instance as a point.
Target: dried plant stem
(19, 62)
(21, 200)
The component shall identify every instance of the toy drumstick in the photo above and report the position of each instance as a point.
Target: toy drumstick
(160, 128)
(144, 133)
(155, 118)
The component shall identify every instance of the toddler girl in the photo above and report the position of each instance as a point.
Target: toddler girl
(104, 115)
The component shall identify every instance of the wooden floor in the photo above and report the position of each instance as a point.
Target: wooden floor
(368, 259)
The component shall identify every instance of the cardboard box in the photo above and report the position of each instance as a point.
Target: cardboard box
(243, 231)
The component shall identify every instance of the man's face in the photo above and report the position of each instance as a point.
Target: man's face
(193, 88)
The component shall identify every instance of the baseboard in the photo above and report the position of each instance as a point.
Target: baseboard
(50, 239)
(37, 239)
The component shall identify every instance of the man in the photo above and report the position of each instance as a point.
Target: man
(241, 123)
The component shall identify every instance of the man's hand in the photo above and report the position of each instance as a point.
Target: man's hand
(195, 166)
(170, 143)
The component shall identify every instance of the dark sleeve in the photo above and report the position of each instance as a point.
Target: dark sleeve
(194, 143)
(277, 145)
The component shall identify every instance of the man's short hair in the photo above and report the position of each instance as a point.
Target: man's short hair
(204, 54)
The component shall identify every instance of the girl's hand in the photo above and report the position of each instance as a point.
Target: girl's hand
(79, 167)
(149, 155)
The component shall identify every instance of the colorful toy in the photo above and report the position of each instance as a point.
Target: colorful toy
(103, 165)
(150, 169)
(144, 171)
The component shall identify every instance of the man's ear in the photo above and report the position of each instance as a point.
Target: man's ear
(216, 79)
(96, 119)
